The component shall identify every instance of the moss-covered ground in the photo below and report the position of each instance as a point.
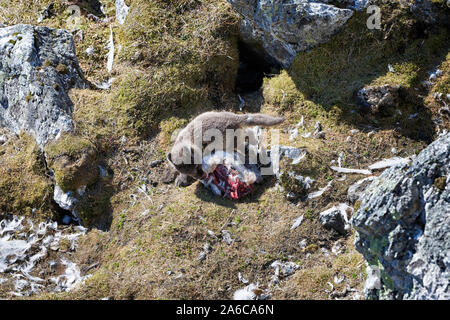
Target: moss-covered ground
(179, 58)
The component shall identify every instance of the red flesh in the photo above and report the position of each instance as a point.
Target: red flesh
(232, 187)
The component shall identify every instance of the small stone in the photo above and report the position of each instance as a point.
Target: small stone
(242, 279)
(338, 279)
(333, 219)
(291, 196)
(318, 126)
(156, 163)
(338, 247)
(90, 51)
(211, 234)
(226, 236)
(373, 280)
(302, 244)
(319, 135)
(380, 99)
(201, 256)
(356, 190)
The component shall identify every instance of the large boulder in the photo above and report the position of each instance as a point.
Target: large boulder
(403, 227)
(282, 28)
(38, 66)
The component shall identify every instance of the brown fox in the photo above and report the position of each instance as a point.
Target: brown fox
(185, 146)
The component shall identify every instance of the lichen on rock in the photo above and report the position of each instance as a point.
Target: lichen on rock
(38, 66)
(284, 28)
(402, 224)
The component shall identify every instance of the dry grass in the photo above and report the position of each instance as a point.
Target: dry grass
(24, 186)
(178, 60)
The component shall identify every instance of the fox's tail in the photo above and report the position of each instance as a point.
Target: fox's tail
(259, 119)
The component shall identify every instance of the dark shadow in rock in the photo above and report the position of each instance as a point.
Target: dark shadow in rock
(88, 7)
(252, 69)
(94, 208)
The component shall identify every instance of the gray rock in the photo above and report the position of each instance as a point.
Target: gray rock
(403, 224)
(356, 190)
(67, 201)
(373, 280)
(350, 4)
(38, 66)
(121, 11)
(380, 99)
(318, 133)
(226, 236)
(47, 13)
(282, 28)
(156, 163)
(335, 218)
(332, 219)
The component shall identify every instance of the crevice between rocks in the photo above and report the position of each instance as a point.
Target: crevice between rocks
(253, 67)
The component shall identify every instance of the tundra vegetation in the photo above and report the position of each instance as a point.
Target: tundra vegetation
(177, 59)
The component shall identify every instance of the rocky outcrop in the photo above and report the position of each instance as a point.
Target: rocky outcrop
(403, 224)
(38, 66)
(282, 28)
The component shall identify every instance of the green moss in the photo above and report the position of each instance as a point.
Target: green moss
(311, 248)
(26, 12)
(186, 57)
(47, 63)
(94, 208)
(68, 144)
(443, 82)
(377, 245)
(74, 161)
(357, 205)
(61, 68)
(331, 73)
(24, 187)
(281, 91)
(144, 99)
